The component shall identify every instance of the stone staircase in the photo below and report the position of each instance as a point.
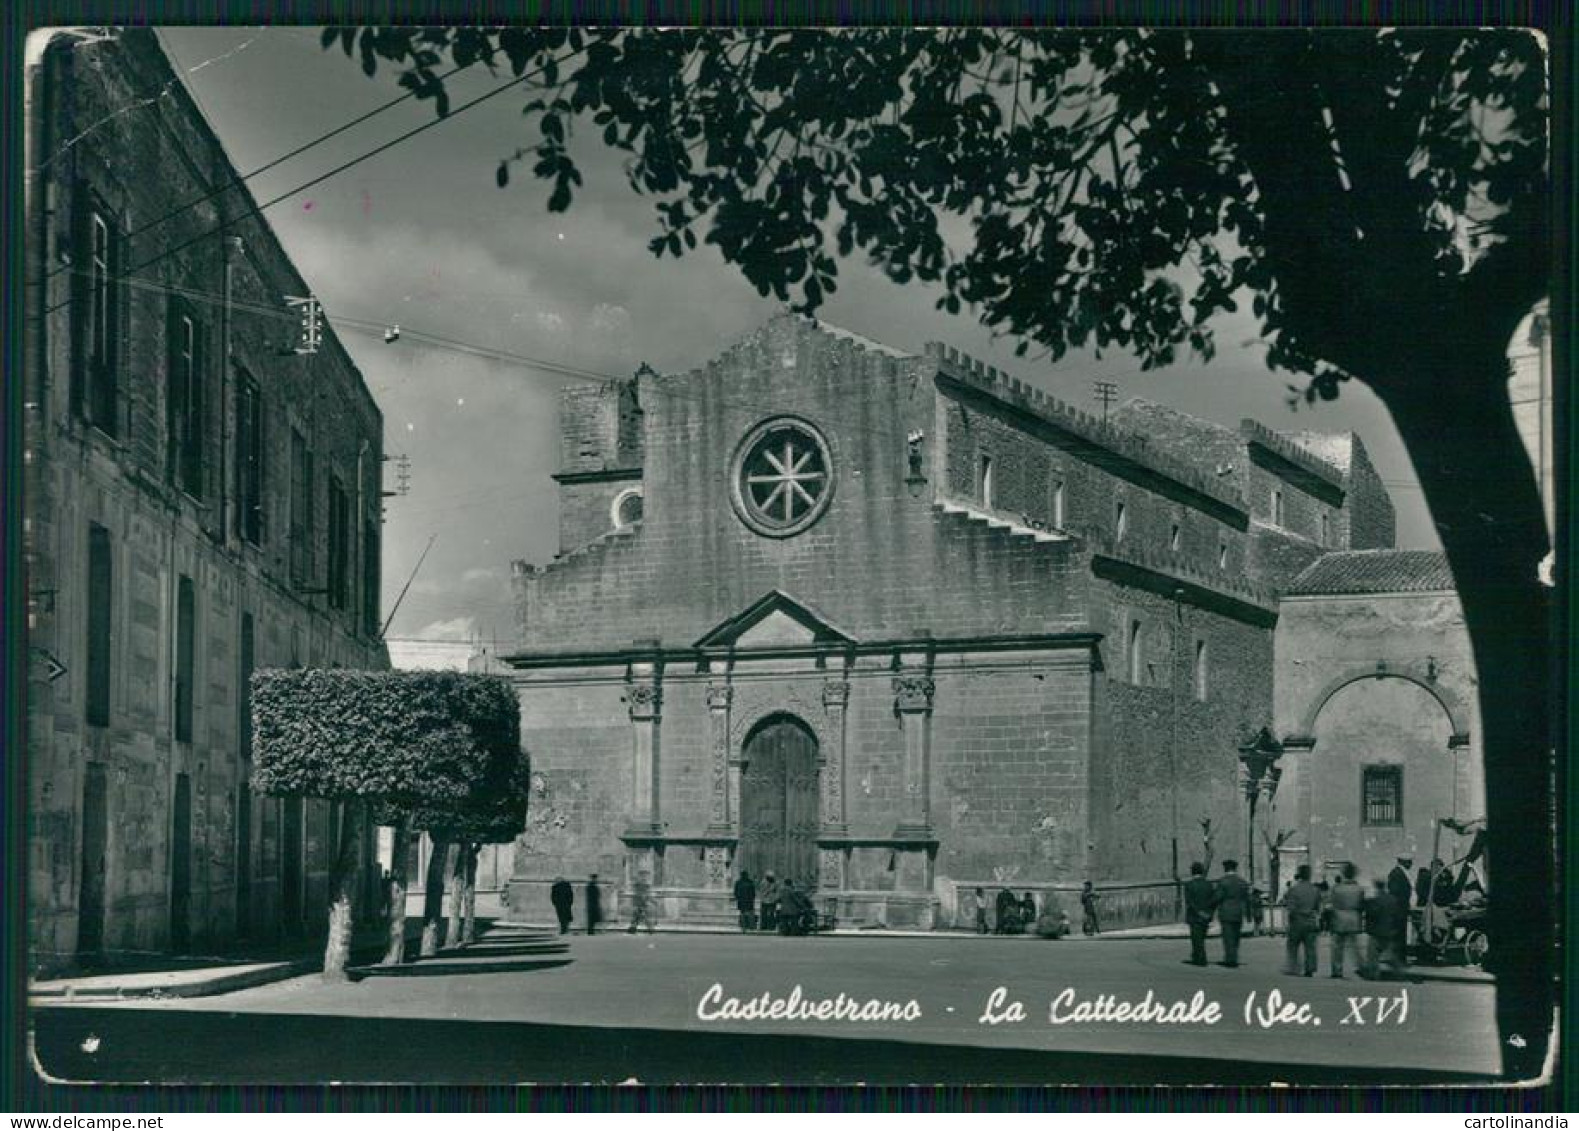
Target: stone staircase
(1015, 530)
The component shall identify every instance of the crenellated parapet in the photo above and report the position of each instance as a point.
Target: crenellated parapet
(1128, 446)
(1259, 435)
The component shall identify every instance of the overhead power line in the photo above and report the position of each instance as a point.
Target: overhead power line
(341, 168)
(241, 179)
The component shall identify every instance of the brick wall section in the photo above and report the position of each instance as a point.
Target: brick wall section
(1373, 523)
(1156, 736)
(1011, 750)
(154, 160)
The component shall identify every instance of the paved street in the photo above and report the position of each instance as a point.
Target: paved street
(530, 1010)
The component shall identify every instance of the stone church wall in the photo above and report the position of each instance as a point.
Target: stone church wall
(1158, 734)
(875, 564)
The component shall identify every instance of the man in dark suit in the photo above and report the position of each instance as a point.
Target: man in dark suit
(1200, 898)
(563, 897)
(1402, 889)
(594, 904)
(1233, 903)
(746, 901)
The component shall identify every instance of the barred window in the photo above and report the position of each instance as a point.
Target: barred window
(1382, 795)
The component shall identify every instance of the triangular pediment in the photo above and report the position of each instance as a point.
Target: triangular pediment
(777, 620)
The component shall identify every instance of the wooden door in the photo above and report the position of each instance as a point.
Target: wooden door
(181, 866)
(778, 803)
(95, 838)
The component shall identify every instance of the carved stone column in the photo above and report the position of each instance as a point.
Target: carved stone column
(835, 823)
(645, 696)
(913, 700)
(720, 822)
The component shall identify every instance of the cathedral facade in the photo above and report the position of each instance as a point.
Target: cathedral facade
(900, 626)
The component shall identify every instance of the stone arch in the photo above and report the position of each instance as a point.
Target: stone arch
(747, 716)
(1452, 707)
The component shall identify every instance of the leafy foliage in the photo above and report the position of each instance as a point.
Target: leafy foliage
(1120, 187)
(405, 738)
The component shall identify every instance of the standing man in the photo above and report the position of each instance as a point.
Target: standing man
(770, 902)
(1200, 899)
(1402, 889)
(1303, 902)
(563, 897)
(1381, 929)
(641, 904)
(594, 904)
(1089, 923)
(981, 912)
(1347, 902)
(746, 901)
(1233, 902)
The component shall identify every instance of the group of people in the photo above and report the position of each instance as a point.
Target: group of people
(563, 896)
(786, 906)
(1018, 915)
(1343, 908)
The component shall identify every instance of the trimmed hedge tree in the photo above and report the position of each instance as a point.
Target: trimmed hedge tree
(392, 739)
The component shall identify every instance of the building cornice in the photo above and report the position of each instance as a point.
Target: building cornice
(825, 653)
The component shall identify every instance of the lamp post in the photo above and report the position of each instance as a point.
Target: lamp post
(1261, 773)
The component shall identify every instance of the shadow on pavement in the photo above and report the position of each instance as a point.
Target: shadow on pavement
(459, 965)
(115, 1044)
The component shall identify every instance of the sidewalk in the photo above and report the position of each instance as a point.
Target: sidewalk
(199, 977)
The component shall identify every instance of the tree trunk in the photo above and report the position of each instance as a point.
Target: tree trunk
(457, 893)
(1456, 422)
(469, 899)
(342, 883)
(433, 898)
(395, 953)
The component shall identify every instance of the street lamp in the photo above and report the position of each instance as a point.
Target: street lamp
(1258, 759)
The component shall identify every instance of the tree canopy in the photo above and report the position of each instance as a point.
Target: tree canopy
(407, 739)
(1119, 187)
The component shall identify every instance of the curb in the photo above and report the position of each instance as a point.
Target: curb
(616, 928)
(208, 987)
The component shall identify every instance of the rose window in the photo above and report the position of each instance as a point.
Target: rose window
(783, 477)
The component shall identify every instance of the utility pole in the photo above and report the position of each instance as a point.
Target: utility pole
(1107, 393)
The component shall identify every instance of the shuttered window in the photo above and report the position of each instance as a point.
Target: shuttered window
(339, 546)
(100, 618)
(249, 461)
(186, 415)
(185, 657)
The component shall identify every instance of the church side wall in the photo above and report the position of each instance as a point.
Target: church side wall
(1159, 738)
(1029, 462)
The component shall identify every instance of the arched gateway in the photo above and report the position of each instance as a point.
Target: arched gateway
(778, 801)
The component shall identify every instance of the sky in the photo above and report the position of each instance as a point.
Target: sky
(421, 237)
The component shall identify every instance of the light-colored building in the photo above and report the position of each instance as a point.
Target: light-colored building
(1530, 389)
(1377, 708)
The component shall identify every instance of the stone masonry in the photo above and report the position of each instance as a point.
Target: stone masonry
(175, 541)
(1024, 644)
